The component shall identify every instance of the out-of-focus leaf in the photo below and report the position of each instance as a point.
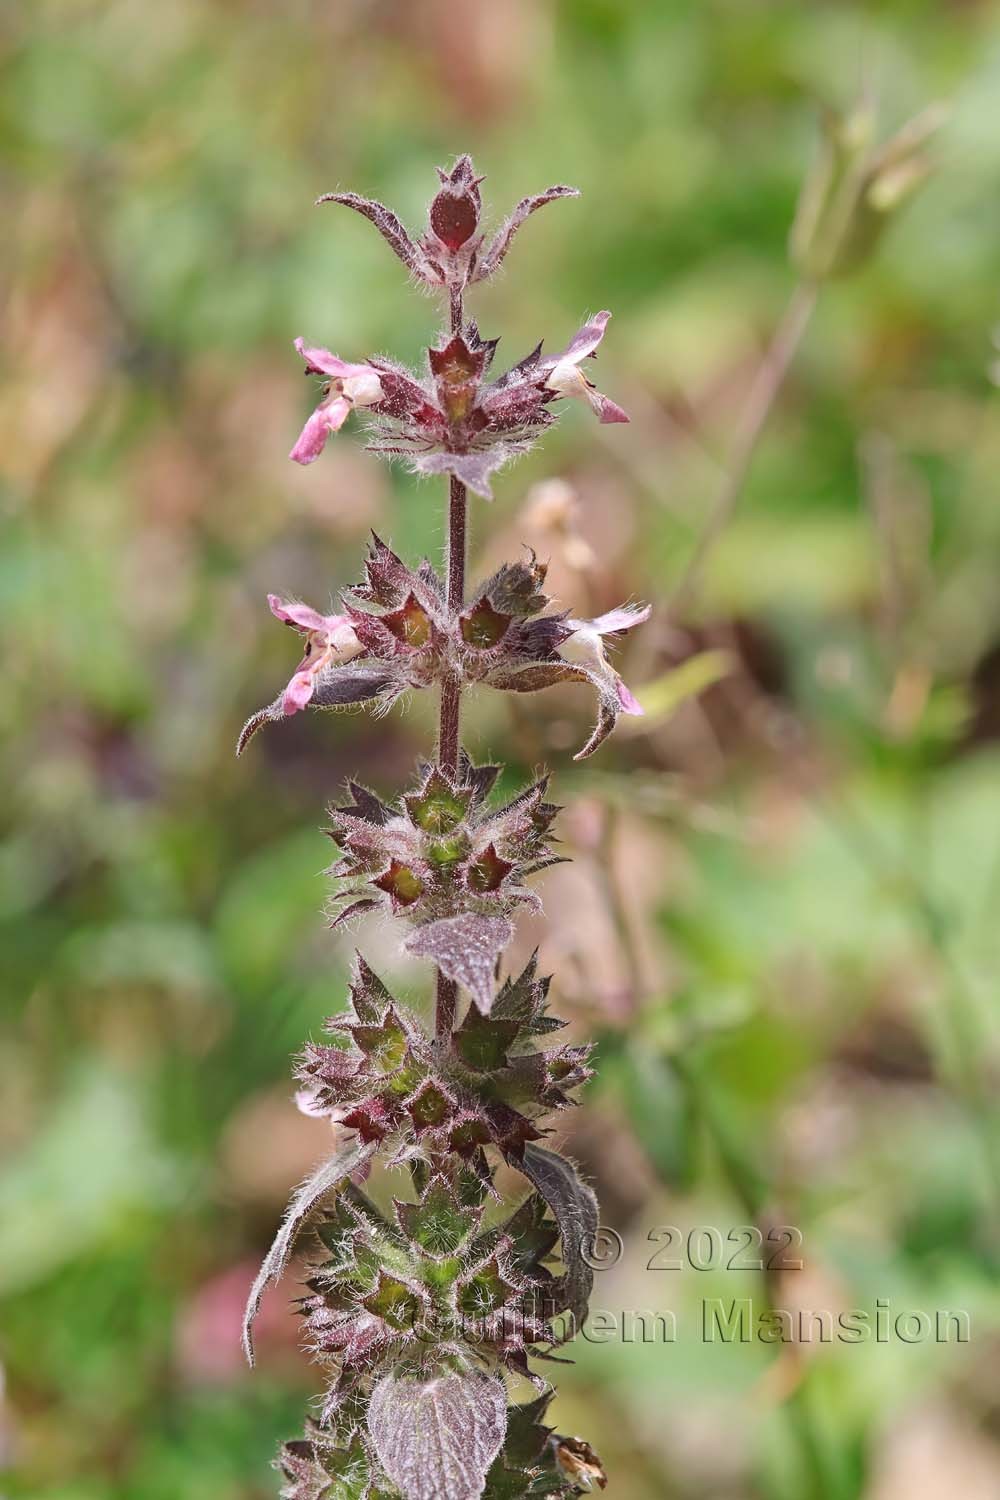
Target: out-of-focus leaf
(664, 695)
(173, 954)
(270, 901)
(658, 1101)
(734, 1143)
(92, 1168)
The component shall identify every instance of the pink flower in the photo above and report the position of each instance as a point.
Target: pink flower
(349, 386)
(586, 648)
(330, 641)
(567, 379)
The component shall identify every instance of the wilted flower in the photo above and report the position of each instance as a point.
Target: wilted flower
(577, 1462)
(349, 386)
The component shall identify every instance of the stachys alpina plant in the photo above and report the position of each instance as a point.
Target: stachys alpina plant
(418, 1313)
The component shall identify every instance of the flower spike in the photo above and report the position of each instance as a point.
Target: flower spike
(419, 1310)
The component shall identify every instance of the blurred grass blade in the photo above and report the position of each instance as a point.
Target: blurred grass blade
(662, 697)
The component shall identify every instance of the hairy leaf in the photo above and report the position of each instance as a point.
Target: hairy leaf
(574, 1208)
(539, 675)
(536, 677)
(501, 242)
(390, 228)
(343, 685)
(473, 469)
(349, 1156)
(437, 1438)
(465, 949)
(269, 715)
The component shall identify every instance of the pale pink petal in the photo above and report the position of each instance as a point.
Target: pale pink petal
(585, 340)
(312, 439)
(305, 1100)
(336, 413)
(629, 702)
(625, 617)
(298, 692)
(322, 362)
(300, 615)
(608, 410)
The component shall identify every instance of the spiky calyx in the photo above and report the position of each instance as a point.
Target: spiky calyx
(427, 1289)
(441, 850)
(485, 1085)
(404, 622)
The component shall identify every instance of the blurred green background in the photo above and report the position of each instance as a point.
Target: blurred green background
(782, 918)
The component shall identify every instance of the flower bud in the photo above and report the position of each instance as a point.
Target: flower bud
(454, 218)
(454, 213)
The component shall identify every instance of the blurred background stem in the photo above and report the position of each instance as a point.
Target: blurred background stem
(767, 384)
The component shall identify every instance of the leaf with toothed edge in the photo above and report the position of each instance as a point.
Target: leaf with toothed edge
(351, 1155)
(436, 1439)
(465, 949)
(574, 1208)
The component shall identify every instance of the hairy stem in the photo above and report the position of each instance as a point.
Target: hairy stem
(451, 687)
(449, 730)
(767, 383)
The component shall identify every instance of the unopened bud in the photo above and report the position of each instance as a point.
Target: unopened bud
(454, 213)
(454, 218)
